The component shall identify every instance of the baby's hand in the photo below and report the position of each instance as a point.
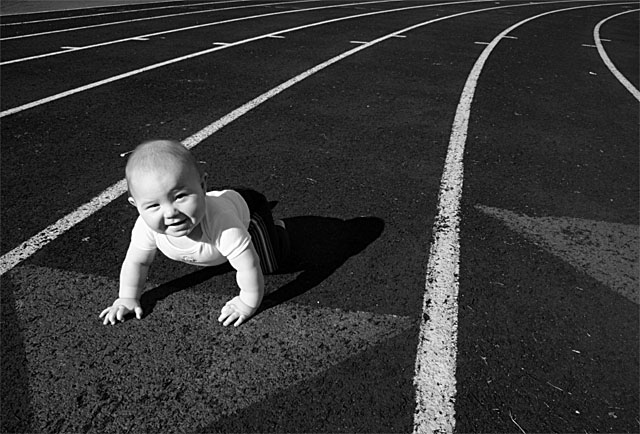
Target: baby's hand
(235, 310)
(120, 308)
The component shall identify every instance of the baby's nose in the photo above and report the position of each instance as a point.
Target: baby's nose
(170, 212)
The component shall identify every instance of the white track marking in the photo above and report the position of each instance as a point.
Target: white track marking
(435, 367)
(76, 17)
(51, 232)
(85, 6)
(73, 29)
(183, 29)
(193, 55)
(149, 35)
(605, 58)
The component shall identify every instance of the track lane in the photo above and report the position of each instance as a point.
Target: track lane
(15, 9)
(32, 77)
(102, 37)
(437, 351)
(36, 28)
(542, 342)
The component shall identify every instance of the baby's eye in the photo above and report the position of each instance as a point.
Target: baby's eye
(153, 206)
(181, 195)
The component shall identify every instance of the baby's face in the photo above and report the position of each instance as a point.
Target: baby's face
(171, 202)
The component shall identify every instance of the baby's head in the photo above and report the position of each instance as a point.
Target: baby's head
(160, 155)
(167, 186)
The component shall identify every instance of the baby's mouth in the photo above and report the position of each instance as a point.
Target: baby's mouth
(180, 223)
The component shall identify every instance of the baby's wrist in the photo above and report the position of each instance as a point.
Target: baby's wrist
(243, 307)
(249, 301)
(131, 293)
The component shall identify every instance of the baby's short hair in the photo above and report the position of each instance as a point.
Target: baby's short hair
(160, 154)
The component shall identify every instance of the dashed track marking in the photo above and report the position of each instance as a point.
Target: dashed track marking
(165, 32)
(197, 54)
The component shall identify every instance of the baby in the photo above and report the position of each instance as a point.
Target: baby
(186, 223)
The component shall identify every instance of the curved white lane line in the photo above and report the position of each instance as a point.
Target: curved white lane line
(183, 29)
(607, 61)
(435, 366)
(202, 53)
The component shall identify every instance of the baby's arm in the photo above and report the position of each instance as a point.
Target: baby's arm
(251, 283)
(133, 276)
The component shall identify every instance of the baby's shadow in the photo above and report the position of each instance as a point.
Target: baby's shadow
(319, 246)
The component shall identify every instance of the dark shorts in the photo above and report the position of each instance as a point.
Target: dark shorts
(268, 239)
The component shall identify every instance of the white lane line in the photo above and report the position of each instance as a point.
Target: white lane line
(75, 17)
(435, 366)
(51, 232)
(86, 5)
(72, 29)
(357, 42)
(193, 55)
(183, 29)
(605, 58)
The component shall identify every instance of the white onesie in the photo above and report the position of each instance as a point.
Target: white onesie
(224, 233)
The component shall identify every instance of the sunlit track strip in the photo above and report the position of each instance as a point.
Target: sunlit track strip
(25, 250)
(200, 53)
(435, 368)
(198, 26)
(605, 58)
(129, 11)
(134, 20)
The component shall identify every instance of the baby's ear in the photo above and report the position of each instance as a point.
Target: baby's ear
(131, 201)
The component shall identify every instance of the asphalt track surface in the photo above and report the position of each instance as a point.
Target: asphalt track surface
(543, 312)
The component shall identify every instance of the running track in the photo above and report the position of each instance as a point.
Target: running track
(362, 119)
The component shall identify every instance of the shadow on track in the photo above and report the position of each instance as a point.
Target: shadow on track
(319, 246)
(17, 413)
